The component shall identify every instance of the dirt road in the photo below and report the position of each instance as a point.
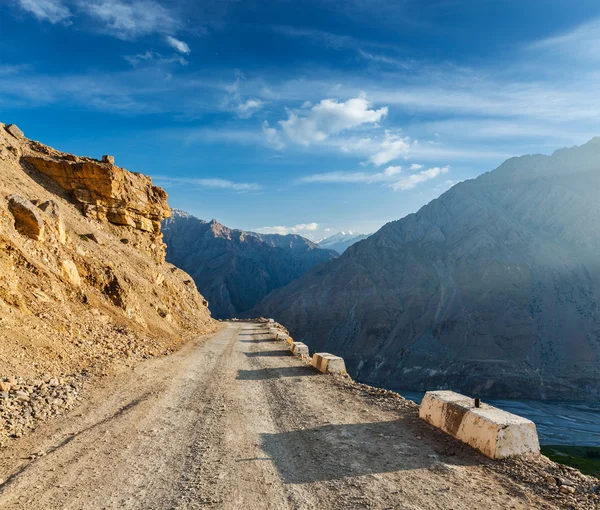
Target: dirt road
(233, 421)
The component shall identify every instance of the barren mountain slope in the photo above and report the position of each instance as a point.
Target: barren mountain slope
(235, 269)
(83, 282)
(492, 289)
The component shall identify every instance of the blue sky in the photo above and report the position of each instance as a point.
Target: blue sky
(298, 116)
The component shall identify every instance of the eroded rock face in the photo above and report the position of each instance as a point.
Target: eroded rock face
(107, 192)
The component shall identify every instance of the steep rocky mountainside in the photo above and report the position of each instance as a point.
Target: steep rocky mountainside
(492, 289)
(236, 269)
(83, 282)
(341, 241)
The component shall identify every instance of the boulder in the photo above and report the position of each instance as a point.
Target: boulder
(108, 159)
(52, 209)
(70, 272)
(28, 221)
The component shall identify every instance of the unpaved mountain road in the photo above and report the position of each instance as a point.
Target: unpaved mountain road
(233, 421)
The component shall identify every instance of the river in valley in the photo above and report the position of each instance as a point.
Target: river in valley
(557, 423)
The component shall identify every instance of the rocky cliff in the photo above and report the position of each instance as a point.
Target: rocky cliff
(232, 268)
(492, 289)
(106, 192)
(83, 285)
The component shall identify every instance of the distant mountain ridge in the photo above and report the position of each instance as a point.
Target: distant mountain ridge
(491, 289)
(341, 241)
(236, 268)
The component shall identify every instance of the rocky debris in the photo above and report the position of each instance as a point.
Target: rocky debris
(564, 485)
(108, 159)
(27, 219)
(26, 402)
(15, 131)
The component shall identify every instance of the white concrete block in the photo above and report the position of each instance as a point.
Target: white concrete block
(328, 363)
(299, 349)
(494, 432)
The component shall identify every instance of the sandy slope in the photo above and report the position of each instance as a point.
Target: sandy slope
(233, 421)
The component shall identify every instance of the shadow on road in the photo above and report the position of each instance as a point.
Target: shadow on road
(275, 354)
(274, 373)
(258, 340)
(349, 450)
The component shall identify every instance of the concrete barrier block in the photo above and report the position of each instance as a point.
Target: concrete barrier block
(328, 363)
(299, 349)
(494, 432)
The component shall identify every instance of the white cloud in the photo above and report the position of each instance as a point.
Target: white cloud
(413, 180)
(130, 19)
(246, 109)
(214, 183)
(53, 11)
(329, 117)
(234, 102)
(414, 167)
(392, 147)
(179, 45)
(296, 229)
(272, 137)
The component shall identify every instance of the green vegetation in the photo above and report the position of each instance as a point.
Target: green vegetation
(584, 458)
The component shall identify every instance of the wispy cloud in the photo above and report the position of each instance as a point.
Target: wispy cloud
(389, 174)
(179, 45)
(581, 41)
(413, 180)
(53, 11)
(157, 58)
(130, 19)
(233, 100)
(123, 19)
(391, 177)
(296, 229)
(214, 183)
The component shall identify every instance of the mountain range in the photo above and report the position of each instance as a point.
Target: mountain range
(492, 289)
(233, 268)
(341, 241)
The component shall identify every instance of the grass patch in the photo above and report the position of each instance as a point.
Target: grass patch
(584, 458)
